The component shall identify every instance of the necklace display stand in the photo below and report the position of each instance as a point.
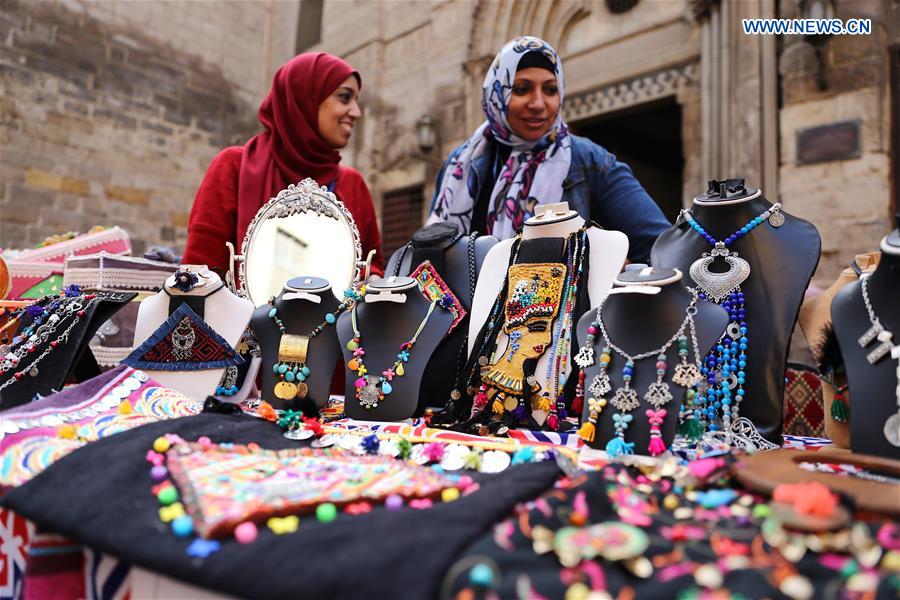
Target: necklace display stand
(225, 313)
(301, 306)
(71, 359)
(387, 318)
(458, 260)
(641, 313)
(782, 255)
(608, 250)
(872, 356)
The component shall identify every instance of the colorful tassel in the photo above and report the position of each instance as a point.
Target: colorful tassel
(577, 405)
(587, 431)
(553, 422)
(618, 447)
(544, 403)
(656, 418)
(497, 406)
(840, 412)
(690, 428)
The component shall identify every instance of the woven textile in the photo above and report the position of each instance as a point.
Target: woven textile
(803, 407)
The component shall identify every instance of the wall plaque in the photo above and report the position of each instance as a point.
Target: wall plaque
(824, 143)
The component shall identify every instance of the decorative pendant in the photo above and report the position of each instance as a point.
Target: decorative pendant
(585, 356)
(183, 338)
(625, 399)
(717, 286)
(892, 429)
(600, 386)
(369, 395)
(285, 390)
(658, 394)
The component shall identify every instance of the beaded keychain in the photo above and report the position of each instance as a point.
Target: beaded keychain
(725, 367)
(291, 367)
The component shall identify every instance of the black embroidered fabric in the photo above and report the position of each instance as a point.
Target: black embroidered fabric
(100, 495)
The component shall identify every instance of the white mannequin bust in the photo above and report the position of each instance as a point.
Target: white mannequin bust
(608, 250)
(225, 313)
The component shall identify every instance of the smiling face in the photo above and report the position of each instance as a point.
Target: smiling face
(338, 112)
(534, 103)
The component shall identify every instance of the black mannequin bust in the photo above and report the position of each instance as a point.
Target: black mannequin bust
(642, 313)
(457, 258)
(388, 317)
(782, 253)
(874, 386)
(301, 306)
(70, 360)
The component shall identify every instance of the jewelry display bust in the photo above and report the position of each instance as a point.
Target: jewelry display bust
(776, 256)
(201, 290)
(387, 341)
(866, 321)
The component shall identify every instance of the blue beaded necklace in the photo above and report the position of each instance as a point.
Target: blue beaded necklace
(724, 369)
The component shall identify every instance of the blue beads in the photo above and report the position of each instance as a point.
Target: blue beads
(289, 376)
(282, 368)
(330, 319)
(481, 575)
(386, 388)
(272, 312)
(305, 370)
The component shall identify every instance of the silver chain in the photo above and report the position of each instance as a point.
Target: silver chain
(864, 284)
(63, 337)
(689, 313)
(42, 334)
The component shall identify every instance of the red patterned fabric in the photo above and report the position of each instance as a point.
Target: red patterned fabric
(804, 413)
(204, 349)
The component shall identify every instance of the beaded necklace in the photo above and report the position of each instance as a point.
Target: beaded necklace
(291, 367)
(725, 367)
(370, 390)
(625, 399)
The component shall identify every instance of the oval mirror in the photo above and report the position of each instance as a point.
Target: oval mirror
(304, 230)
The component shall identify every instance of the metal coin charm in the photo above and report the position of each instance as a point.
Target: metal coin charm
(892, 429)
(302, 390)
(776, 219)
(299, 434)
(494, 461)
(510, 403)
(285, 390)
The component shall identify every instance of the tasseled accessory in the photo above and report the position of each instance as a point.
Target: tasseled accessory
(587, 431)
(519, 412)
(578, 405)
(544, 403)
(690, 428)
(497, 406)
(656, 418)
(840, 412)
(481, 398)
(617, 447)
(405, 448)
(561, 411)
(553, 422)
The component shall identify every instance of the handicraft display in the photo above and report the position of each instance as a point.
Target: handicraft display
(719, 394)
(626, 399)
(885, 347)
(222, 486)
(184, 342)
(435, 289)
(53, 318)
(291, 368)
(538, 313)
(372, 389)
(35, 436)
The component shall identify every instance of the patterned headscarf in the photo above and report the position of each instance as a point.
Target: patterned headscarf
(534, 172)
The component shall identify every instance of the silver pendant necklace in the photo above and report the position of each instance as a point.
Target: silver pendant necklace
(885, 347)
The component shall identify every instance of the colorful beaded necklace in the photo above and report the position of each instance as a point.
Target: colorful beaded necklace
(291, 367)
(625, 399)
(725, 367)
(371, 390)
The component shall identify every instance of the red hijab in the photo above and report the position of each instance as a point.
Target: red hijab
(291, 148)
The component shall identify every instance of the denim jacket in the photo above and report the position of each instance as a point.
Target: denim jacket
(599, 188)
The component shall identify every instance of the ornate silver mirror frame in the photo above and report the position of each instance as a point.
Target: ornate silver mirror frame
(308, 209)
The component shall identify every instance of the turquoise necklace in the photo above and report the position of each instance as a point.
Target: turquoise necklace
(291, 367)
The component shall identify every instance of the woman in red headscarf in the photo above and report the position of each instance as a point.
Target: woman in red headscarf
(307, 117)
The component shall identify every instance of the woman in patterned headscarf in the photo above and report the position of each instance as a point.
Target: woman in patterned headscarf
(523, 155)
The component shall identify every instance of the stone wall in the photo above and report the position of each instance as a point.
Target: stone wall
(111, 111)
(848, 200)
